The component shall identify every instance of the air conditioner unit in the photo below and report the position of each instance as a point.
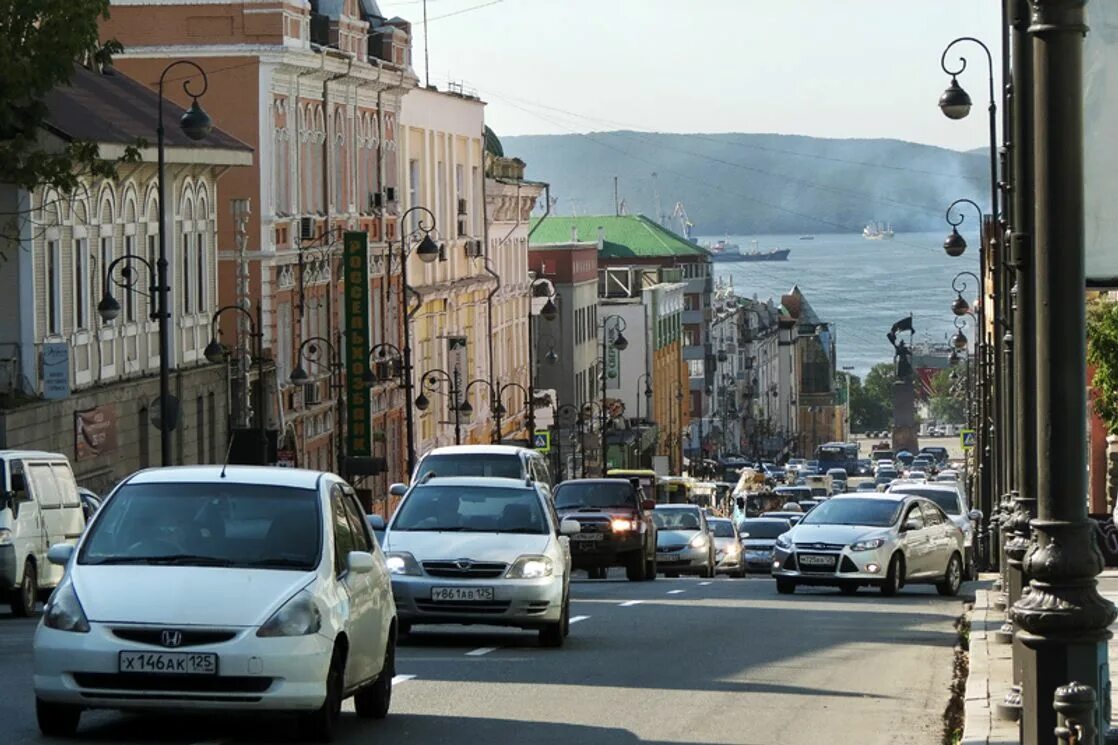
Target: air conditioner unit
(306, 228)
(310, 394)
(461, 206)
(474, 249)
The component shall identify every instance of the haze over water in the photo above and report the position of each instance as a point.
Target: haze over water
(861, 286)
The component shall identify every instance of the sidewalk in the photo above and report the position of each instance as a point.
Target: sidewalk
(991, 666)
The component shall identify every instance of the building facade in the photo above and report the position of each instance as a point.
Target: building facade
(74, 382)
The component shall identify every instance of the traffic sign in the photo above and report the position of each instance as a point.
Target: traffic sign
(541, 440)
(967, 438)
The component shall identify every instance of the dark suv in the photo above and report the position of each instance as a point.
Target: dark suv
(617, 527)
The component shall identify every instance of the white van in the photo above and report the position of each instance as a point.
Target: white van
(39, 507)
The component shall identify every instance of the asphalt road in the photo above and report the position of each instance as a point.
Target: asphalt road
(670, 661)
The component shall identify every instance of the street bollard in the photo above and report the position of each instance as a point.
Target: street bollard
(1075, 714)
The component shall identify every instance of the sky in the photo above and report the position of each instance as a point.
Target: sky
(825, 68)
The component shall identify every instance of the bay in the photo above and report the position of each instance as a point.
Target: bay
(860, 286)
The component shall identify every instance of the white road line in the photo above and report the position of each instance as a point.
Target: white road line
(576, 619)
(703, 584)
(480, 651)
(398, 679)
(629, 603)
(676, 592)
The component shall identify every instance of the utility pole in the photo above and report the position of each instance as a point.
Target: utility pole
(616, 201)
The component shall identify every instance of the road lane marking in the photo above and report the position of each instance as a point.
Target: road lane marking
(398, 679)
(576, 619)
(480, 651)
(703, 584)
(675, 592)
(629, 603)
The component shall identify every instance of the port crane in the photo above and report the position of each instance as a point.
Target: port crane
(685, 224)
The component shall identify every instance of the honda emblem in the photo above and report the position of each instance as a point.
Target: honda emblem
(170, 638)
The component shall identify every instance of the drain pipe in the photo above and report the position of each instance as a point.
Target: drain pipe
(487, 264)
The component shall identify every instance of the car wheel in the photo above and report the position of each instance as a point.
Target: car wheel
(552, 634)
(373, 701)
(952, 577)
(57, 720)
(671, 575)
(894, 578)
(403, 627)
(634, 568)
(650, 568)
(319, 725)
(25, 597)
(848, 589)
(785, 586)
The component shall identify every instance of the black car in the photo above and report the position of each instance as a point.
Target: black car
(938, 454)
(758, 536)
(617, 527)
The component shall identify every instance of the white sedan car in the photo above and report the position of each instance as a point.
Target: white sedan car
(884, 540)
(251, 589)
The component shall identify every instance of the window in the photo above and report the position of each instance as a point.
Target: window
(54, 290)
(200, 256)
(357, 523)
(129, 301)
(153, 257)
(692, 302)
(81, 290)
(932, 516)
(914, 514)
(695, 368)
(413, 191)
(186, 297)
(343, 533)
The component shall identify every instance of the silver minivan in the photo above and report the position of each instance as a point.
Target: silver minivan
(489, 461)
(39, 507)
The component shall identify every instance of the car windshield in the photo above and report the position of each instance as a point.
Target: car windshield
(762, 528)
(676, 519)
(471, 509)
(947, 500)
(491, 465)
(793, 492)
(594, 494)
(877, 513)
(186, 524)
(722, 528)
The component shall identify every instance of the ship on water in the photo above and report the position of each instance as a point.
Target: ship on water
(875, 231)
(723, 250)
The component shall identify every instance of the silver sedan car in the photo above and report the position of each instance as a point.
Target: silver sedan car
(684, 544)
(883, 540)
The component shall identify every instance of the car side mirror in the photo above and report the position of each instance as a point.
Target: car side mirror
(59, 554)
(359, 562)
(398, 490)
(648, 504)
(376, 522)
(911, 525)
(570, 527)
(975, 515)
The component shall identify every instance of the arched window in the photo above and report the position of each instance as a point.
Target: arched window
(85, 283)
(186, 256)
(107, 247)
(201, 248)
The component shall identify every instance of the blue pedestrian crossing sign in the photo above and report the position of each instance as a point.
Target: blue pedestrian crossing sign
(967, 439)
(541, 440)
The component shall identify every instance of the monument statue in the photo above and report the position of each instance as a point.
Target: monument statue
(902, 353)
(904, 395)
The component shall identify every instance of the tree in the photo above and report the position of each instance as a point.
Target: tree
(40, 40)
(1102, 353)
(871, 403)
(946, 399)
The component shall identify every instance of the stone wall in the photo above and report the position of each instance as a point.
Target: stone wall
(128, 409)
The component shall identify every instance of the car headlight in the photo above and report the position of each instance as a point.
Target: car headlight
(402, 562)
(5, 537)
(64, 610)
(700, 541)
(870, 545)
(621, 525)
(530, 567)
(299, 616)
(784, 541)
(968, 535)
(733, 549)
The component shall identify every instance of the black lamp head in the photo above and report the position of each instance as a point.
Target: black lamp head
(960, 306)
(214, 352)
(955, 102)
(955, 244)
(428, 250)
(549, 311)
(196, 123)
(959, 340)
(551, 357)
(422, 402)
(108, 308)
(299, 375)
(620, 343)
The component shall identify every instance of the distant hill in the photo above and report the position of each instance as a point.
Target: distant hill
(754, 183)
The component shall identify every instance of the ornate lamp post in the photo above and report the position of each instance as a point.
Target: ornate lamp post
(316, 350)
(386, 364)
(613, 326)
(432, 379)
(196, 125)
(215, 352)
(499, 408)
(647, 395)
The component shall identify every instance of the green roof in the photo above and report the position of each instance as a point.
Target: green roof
(626, 236)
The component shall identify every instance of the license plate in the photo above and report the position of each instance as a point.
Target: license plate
(817, 561)
(467, 594)
(667, 557)
(170, 663)
(587, 537)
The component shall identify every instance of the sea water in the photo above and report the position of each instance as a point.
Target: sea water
(860, 286)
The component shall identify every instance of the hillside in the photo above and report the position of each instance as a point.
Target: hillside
(754, 183)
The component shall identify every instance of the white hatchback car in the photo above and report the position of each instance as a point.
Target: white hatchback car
(253, 589)
(468, 550)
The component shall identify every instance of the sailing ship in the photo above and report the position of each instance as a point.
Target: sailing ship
(875, 231)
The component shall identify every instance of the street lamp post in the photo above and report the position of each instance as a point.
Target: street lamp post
(215, 352)
(540, 287)
(196, 125)
(567, 415)
(588, 414)
(619, 343)
(386, 364)
(453, 379)
(1063, 620)
(499, 408)
(313, 350)
(428, 251)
